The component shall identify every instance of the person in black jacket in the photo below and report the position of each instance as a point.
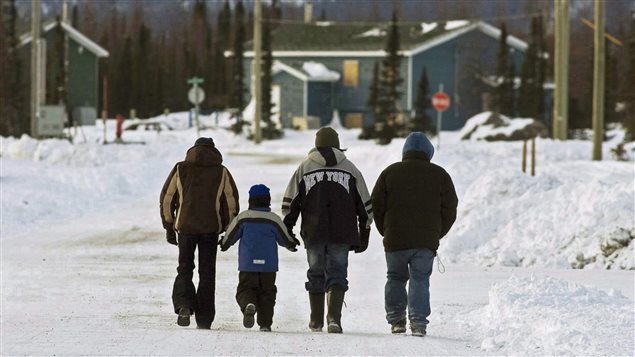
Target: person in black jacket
(414, 203)
(331, 195)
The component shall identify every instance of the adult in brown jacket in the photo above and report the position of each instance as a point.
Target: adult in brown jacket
(414, 203)
(198, 200)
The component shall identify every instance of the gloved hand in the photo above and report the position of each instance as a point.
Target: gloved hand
(293, 244)
(222, 247)
(291, 248)
(364, 234)
(170, 236)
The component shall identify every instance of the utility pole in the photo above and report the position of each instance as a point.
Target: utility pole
(561, 70)
(598, 81)
(257, 69)
(35, 66)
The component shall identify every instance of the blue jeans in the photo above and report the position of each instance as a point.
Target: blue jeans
(403, 265)
(328, 266)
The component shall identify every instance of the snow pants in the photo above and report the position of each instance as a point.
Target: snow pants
(412, 266)
(202, 300)
(328, 266)
(258, 289)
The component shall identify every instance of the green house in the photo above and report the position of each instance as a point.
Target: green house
(83, 66)
(325, 66)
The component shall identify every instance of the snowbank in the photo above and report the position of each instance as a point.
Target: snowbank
(548, 316)
(491, 126)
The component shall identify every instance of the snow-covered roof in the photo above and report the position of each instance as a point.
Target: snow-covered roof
(307, 71)
(341, 39)
(74, 34)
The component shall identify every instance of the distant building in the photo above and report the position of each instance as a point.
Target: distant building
(326, 66)
(83, 66)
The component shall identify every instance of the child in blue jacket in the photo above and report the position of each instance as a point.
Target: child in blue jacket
(259, 231)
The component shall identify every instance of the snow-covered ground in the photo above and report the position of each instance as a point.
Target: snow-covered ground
(86, 269)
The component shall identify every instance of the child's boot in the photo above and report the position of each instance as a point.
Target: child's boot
(317, 312)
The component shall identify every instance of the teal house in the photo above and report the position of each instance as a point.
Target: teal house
(83, 66)
(322, 67)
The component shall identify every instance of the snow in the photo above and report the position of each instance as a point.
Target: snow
(86, 270)
(451, 25)
(427, 27)
(374, 32)
(547, 316)
(319, 71)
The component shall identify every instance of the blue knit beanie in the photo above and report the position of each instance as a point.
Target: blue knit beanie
(417, 141)
(259, 191)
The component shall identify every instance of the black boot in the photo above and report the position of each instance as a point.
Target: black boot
(317, 312)
(335, 299)
(184, 316)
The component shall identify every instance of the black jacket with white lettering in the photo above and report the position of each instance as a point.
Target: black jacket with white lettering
(330, 193)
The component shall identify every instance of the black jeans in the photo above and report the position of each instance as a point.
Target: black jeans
(258, 289)
(202, 300)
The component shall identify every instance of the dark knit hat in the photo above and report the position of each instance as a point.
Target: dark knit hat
(417, 141)
(205, 141)
(259, 191)
(327, 137)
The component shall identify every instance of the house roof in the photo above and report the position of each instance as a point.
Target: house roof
(368, 40)
(73, 33)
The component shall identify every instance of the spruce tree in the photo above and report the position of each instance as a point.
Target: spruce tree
(533, 73)
(123, 90)
(629, 118)
(237, 98)
(422, 121)
(11, 100)
(223, 36)
(269, 130)
(368, 132)
(389, 94)
(504, 93)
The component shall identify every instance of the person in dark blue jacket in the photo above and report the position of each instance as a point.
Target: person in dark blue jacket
(259, 231)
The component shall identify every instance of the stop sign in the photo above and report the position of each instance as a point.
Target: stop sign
(440, 101)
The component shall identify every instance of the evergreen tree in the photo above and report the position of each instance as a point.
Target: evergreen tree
(368, 132)
(421, 120)
(389, 94)
(504, 93)
(223, 35)
(237, 98)
(142, 81)
(269, 130)
(531, 93)
(629, 118)
(11, 100)
(123, 88)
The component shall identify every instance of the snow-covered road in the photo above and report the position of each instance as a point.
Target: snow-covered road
(86, 269)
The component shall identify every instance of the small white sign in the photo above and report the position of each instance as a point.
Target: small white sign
(259, 261)
(196, 95)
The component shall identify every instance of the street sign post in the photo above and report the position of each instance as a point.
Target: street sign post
(440, 102)
(196, 95)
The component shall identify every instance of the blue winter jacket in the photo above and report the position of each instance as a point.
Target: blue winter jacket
(258, 230)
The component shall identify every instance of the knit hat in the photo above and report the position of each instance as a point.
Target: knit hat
(327, 137)
(205, 141)
(417, 141)
(259, 196)
(259, 191)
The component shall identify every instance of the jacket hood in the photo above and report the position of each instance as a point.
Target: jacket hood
(204, 155)
(418, 142)
(326, 156)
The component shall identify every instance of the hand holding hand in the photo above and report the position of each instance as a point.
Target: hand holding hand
(364, 235)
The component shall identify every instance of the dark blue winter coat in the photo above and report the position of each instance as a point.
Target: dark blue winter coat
(259, 231)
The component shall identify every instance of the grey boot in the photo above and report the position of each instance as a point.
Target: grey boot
(317, 312)
(335, 299)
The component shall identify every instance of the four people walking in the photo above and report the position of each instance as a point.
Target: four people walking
(414, 204)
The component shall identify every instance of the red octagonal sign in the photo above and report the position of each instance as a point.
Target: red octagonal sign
(440, 101)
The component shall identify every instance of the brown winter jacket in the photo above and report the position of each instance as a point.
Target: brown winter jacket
(414, 203)
(200, 195)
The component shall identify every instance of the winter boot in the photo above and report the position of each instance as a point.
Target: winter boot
(417, 330)
(335, 299)
(265, 328)
(399, 327)
(248, 315)
(184, 316)
(317, 312)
